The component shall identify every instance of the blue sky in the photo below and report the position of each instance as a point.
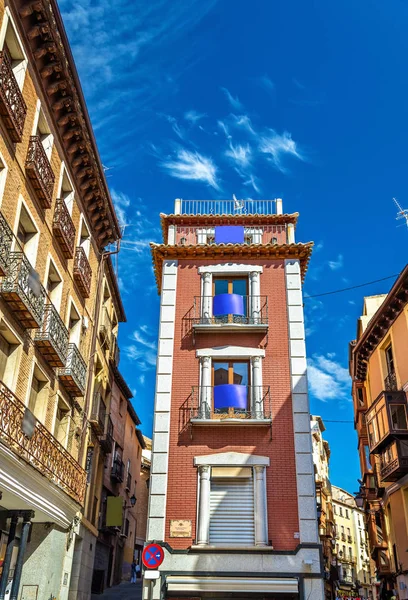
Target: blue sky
(300, 100)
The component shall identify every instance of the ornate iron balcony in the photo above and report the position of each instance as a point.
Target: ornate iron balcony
(118, 469)
(390, 382)
(6, 239)
(12, 106)
(64, 229)
(52, 338)
(98, 414)
(42, 451)
(394, 461)
(226, 402)
(73, 375)
(82, 272)
(230, 311)
(106, 441)
(21, 290)
(39, 171)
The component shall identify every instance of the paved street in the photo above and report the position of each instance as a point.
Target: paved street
(124, 591)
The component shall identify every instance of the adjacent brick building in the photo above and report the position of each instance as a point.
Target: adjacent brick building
(232, 494)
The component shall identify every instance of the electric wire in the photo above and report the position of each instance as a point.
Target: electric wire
(352, 287)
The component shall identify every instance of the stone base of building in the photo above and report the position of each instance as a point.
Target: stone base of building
(82, 565)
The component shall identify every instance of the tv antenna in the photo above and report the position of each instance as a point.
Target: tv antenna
(238, 204)
(402, 212)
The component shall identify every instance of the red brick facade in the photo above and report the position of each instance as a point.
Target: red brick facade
(281, 475)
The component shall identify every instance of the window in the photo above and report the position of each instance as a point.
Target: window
(43, 131)
(126, 529)
(53, 285)
(38, 393)
(128, 476)
(350, 552)
(389, 359)
(9, 356)
(398, 416)
(230, 309)
(84, 238)
(74, 325)
(340, 511)
(342, 529)
(335, 509)
(230, 381)
(347, 513)
(3, 177)
(66, 190)
(12, 45)
(62, 422)
(27, 235)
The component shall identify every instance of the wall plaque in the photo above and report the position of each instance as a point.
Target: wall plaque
(180, 528)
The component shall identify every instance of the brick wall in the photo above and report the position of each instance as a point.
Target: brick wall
(281, 475)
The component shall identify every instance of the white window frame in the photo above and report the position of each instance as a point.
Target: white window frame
(47, 138)
(35, 365)
(232, 459)
(31, 249)
(11, 374)
(20, 69)
(70, 197)
(86, 244)
(56, 295)
(3, 177)
(60, 398)
(76, 338)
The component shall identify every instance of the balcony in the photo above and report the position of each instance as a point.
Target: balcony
(6, 239)
(228, 207)
(41, 451)
(231, 312)
(82, 272)
(105, 329)
(22, 291)
(376, 529)
(73, 375)
(117, 471)
(387, 420)
(52, 337)
(98, 414)
(12, 106)
(394, 461)
(64, 229)
(106, 441)
(382, 563)
(193, 235)
(349, 539)
(343, 537)
(39, 171)
(390, 382)
(230, 404)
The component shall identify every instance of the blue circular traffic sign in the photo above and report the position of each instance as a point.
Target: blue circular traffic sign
(152, 556)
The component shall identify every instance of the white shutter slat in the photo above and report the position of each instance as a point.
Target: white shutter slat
(232, 512)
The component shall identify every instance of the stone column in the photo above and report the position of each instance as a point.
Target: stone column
(203, 526)
(171, 235)
(177, 206)
(7, 559)
(279, 207)
(206, 390)
(25, 530)
(206, 304)
(255, 299)
(257, 395)
(291, 233)
(261, 523)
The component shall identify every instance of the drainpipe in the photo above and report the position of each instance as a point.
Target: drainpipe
(91, 364)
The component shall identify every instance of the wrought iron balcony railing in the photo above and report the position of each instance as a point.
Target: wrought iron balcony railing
(229, 401)
(39, 171)
(12, 106)
(82, 272)
(73, 375)
(394, 461)
(118, 469)
(41, 451)
(227, 207)
(23, 292)
(390, 382)
(64, 229)
(106, 440)
(196, 235)
(230, 310)
(105, 328)
(52, 337)
(98, 414)
(6, 239)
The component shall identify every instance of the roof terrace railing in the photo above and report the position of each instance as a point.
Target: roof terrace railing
(228, 207)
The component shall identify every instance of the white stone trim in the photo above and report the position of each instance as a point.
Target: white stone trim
(230, 268)
(300, 405)
(187, 583)
(162, 403)
(230, 352)
(228, 459)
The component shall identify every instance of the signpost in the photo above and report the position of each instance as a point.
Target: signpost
(152, 558)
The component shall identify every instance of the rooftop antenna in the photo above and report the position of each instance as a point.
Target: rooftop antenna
(402, 212)
(238, 204)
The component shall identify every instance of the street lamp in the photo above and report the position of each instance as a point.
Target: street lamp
(132, 501)
(359, 500)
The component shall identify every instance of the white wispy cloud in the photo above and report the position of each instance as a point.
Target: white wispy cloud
(235, 102)
(319, 246)
(239, 154)
(277, 146)
(121, 202)
(179, 131)
(334, 265)
(243, 121)
(267, 83)
(222, 125)
(192, 116)
(193, 166)
(142, 350)
(254, 183)
(328, 379)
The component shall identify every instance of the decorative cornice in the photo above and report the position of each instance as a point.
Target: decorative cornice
(50, 56)
(211, 220)
(229, 252)
(380, 323)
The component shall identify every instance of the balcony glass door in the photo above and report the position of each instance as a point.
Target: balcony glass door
(230, 300)
(230, 381)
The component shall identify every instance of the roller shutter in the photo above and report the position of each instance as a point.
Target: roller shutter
(232, 512)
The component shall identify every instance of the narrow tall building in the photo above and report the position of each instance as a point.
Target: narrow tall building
(379, 368)
(232, 494)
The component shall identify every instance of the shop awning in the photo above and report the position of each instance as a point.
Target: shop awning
(179, 583)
